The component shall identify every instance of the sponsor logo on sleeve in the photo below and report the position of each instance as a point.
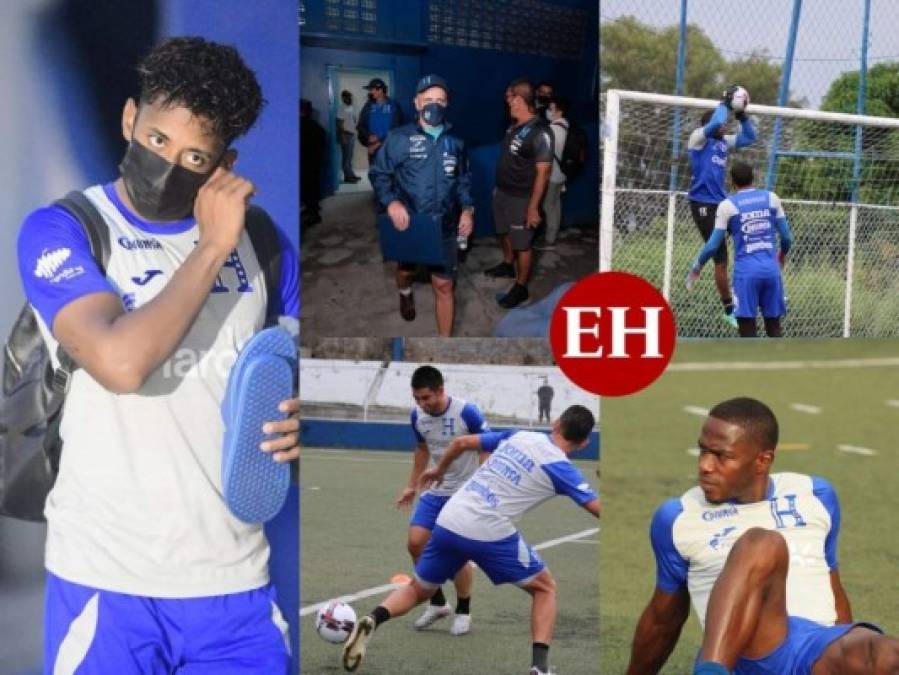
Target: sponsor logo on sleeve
(49, 266)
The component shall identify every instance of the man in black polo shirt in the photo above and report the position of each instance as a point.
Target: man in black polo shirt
(521, 176)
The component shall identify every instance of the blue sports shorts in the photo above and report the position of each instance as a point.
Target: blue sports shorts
(427, 509)
(88, 631)
(754, 293)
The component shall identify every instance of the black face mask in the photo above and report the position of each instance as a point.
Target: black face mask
(158, 189)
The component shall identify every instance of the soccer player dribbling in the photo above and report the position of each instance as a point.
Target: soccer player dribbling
(729, 546)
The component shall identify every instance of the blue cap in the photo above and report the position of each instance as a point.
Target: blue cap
(429, 81)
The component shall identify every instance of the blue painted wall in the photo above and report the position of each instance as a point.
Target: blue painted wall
(325, 433)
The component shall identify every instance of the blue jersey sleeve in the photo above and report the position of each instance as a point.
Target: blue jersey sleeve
(490, 440)
(413, 420)
(55, 262)
(290, 277)
(827, 495)
(719, 117)
(474, 419)
(567, 480)
(671, 568)
(747, 134)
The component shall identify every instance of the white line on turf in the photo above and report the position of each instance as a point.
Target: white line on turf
(893, 402)
(378, 590)
(782, 365)
(696, 410)
(856, 450)
(806, 408)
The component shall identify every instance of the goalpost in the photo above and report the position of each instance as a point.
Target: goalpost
(836, 174)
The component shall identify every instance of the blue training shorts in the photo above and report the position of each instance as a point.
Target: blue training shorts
(754, 293)
(427, 509)
(805, 642)
(507, 561)
(94, 632)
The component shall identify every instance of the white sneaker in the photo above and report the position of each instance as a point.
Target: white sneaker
(461, 624)
(431, 615)
(536, 671)
(354, 649)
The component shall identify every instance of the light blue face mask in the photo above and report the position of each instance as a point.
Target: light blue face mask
(433, 114)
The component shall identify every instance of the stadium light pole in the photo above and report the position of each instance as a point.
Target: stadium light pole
(783, 94)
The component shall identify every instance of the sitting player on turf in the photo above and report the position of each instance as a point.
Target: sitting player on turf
(752, 216)
(436, 421)
(756, 554)
(478, 523)
(709, 145)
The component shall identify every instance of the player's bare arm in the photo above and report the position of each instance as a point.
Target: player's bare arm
(841, 599)
(537, 192)
(287, 447)
(419, 464)
(594, 507)
(456, 447)
(121, 349)
(657, 631)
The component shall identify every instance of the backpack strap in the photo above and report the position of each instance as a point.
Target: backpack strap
(97, 232)
(267, 246)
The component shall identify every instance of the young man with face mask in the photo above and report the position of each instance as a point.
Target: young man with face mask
(423, 169)
(552, 201)
(148, 570)
(522, 174)
(709, 146)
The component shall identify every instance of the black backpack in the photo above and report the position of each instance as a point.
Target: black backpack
(34, 391)
(574, 152)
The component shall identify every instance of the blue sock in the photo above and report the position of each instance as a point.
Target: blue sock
(710, 668)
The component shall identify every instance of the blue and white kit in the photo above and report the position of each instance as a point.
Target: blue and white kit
(478, 522)
(437, 431)
(708, 156)
(691, 539)
(137, 507)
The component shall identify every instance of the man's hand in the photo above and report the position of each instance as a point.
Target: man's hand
(533, 219)
(220, 208)
(399, 216)
(373, 140)
(287, 447)
(693, 276)
(466, 224)
(728, 97)
(781, 259)
(407, 496)
(430, 478)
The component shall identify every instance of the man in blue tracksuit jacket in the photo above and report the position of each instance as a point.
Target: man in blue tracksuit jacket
(709, 146)
(378, 116)
(422, 169)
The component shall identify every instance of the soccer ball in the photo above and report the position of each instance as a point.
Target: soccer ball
(334, 621)
(740, 100)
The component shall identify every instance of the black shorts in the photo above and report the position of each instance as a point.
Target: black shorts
(450, 268)
(704, 217)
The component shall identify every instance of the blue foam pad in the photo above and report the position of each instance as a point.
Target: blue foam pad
(421, 242)
(255, 486)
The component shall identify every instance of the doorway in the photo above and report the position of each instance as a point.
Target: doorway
(352, 80)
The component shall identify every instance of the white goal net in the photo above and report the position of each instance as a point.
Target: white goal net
(838, 178)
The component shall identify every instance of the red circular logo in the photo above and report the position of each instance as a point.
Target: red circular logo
(612, 333)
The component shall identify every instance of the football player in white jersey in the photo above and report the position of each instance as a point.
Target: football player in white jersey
(436, 420)
(478, 524)
(148, 571)
(755, 553)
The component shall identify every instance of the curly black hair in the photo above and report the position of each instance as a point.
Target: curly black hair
(209, 79)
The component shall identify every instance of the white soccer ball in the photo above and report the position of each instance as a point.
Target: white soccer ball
(334, 621)
(740, 100)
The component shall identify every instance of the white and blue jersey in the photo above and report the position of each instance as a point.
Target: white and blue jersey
(708, 156)
(525, 469)
(691, 539)
(478, 522)
(437, 431)
(137, 507)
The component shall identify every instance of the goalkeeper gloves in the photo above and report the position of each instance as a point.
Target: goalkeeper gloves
(693, 274)
(728, 97)
(740, 116)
